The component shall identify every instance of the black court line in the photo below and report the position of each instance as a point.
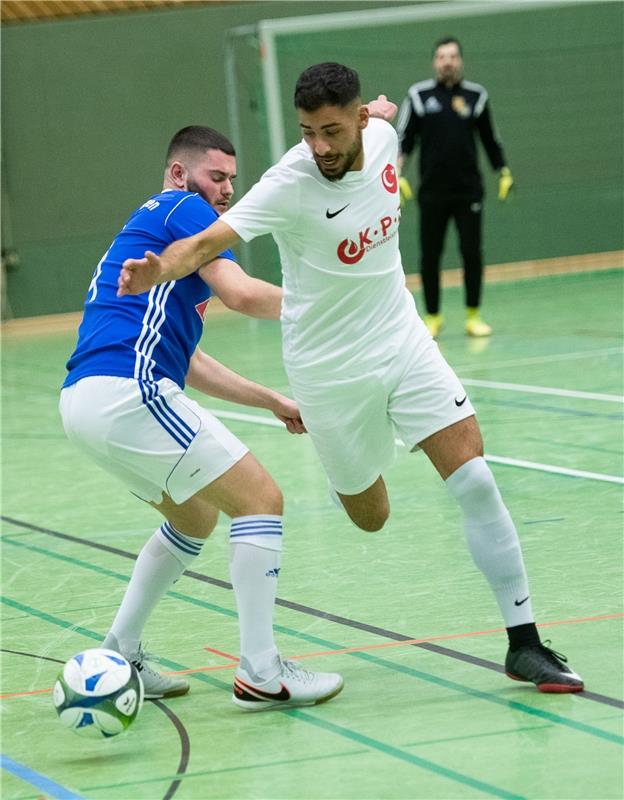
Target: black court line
(185, 744)
(185, 748)
(315, 612)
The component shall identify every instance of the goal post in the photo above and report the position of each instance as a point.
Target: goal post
(553, 71)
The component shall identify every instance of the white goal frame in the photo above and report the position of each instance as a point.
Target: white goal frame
(268, 30)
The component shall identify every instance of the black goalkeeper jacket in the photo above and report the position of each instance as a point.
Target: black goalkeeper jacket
(445, 120)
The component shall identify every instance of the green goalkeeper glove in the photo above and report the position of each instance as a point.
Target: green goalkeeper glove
(405, 191)
(505, 183)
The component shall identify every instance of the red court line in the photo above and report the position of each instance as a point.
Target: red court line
(359, 648)
(24, 694)
(221, 653)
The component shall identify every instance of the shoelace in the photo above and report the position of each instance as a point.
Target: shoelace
(553, 654)
(140, 657)
(296, 671)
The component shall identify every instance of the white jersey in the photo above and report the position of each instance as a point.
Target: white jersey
(346, 307)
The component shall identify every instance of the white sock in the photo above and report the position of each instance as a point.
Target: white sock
(255, 553)
(160, 563)
(492, 539)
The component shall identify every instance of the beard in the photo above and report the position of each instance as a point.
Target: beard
(220, 206)
(344, 163)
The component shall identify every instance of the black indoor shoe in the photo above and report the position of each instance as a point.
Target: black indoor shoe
(543, 667)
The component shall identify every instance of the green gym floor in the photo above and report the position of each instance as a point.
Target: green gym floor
(403, 614)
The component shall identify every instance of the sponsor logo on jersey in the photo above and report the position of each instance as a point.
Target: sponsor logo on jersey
(432, 105)
(201, 309)
(460, 106)
(389, 179)
(350, 251)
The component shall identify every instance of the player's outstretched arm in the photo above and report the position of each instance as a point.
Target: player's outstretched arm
(209, 376)
(240, 292)
(382, 108)
(138, 275)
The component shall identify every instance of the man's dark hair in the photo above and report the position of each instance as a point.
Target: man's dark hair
(199, 138)
(327, 84)
(447, 40)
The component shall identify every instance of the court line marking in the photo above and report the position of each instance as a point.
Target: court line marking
(400, 668)
(503, 460)
(340, 650)
(548, 390)
(185, 742)
(553, 469)
(377, 631)
(221, 653)
(387, 749)
(403, 755)
(518, 362)
(36, 779)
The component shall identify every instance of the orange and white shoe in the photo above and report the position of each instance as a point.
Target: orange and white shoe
(283, 685)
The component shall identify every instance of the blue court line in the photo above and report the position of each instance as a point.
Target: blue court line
(375, 744)
(38, 780)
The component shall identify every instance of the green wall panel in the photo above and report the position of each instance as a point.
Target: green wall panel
(89, 106)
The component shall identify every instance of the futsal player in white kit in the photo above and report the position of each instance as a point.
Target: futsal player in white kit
(123, 404)
(361, 363)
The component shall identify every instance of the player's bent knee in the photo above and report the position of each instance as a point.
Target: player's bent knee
(371, 522)
(272, 498)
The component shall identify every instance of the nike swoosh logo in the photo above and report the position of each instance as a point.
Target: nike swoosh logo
(520, 602)
(249, 692)
(331, 214)
(460, 402)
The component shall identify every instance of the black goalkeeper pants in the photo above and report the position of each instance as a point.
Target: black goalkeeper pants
(435, 213)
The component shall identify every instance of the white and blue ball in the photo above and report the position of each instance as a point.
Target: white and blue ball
(98, 693)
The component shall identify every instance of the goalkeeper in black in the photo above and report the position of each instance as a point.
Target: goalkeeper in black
(445, 114)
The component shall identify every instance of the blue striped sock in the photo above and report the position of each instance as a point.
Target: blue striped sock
(184, 548)
(262, 530)
(255, 553)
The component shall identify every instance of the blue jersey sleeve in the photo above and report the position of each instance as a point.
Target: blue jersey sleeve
(191, 215)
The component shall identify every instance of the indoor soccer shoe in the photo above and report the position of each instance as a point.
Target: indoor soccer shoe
(155, 684)
(290, 685)
(434, 323)
(543, 667)
(475, 326)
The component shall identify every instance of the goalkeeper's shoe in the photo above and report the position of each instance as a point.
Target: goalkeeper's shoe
(283, 685)
(155, 684)
(505, 183)
(475, 326)
(434, 323)
(544, 667)
(405, 191)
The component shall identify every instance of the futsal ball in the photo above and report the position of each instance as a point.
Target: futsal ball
(98, 693)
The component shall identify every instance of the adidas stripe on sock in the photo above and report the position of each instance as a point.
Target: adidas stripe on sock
(162, 560)
(255, 554)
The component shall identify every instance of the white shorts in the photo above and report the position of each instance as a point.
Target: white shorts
(149, 434)
(353, 422)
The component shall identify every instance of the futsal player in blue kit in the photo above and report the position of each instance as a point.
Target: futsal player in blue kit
(123, 403)
(361, 364)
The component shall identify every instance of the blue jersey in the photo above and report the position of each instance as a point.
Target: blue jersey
(152, 335)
